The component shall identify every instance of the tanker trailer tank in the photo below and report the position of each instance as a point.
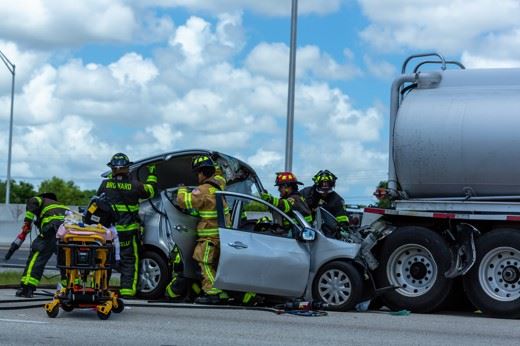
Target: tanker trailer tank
(459, 137)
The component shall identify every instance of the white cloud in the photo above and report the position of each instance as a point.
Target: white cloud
(49, 23)
(132, 68)
(310, 62)
(263, 158)
(379, 69)
(485, 32)
(266, 7)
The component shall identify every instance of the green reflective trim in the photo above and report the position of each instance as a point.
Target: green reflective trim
(151, 191)
(28, 279)
(286, 206)
(248, 296)
(50, 219)
(308, 218)
(206, 266)
(275, 201)
(196, 288)
(39, 199)
(126, 228)
(208, 214)
(227, 210)
(127, 292)
(342, 218)
(169, 291)
(52, 206)
(29, 215)
(207, 232)
(188, 201)
(136, 265)
(125, 208)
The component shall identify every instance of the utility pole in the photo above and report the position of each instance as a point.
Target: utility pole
(290, 98)
(12, 68)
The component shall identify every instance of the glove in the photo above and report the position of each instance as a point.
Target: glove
(266, 197)
(26, 228)
(152, 169)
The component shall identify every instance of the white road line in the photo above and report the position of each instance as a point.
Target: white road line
(21, 321)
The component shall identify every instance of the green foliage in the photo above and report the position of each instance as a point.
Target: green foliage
(20, 192)
(66, 191)
(255, 206)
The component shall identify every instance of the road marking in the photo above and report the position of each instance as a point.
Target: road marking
(21, 321)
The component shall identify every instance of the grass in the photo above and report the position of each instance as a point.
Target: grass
(52, 278)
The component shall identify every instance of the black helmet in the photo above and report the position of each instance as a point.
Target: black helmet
(119, 160)
(48, 195)
(200, 161)
(324, 181)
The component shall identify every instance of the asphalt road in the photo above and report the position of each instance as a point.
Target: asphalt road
(177, 325)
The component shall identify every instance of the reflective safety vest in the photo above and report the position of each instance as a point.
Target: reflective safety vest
(44, 212)
(124, 194)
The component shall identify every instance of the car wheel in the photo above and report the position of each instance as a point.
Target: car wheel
(415, 260)
(339, 285)
(154, 275)
(493, 283)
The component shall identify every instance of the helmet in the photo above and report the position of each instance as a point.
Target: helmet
(200, 161)
(324, 181)
(48, 195)
(286, 178)
(119, 160)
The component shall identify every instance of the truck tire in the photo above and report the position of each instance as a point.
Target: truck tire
(493, 283)
(414, 258)
(154, 275)
(338, 284)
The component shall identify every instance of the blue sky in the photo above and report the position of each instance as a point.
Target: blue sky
(148, 76)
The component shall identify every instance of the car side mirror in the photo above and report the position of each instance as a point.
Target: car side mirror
(308, 234)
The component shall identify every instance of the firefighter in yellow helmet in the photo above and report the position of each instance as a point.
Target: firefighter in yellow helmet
(290, 198)
(203, 200)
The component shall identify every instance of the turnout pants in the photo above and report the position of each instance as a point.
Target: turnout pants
(206, 253)
(42, 249)
(129, 244)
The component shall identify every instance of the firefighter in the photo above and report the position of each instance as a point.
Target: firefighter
(124, 192)
(322, 194)
(290, 198)
(47, 214)
(201, 201)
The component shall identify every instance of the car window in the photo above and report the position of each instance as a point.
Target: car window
(171, 173)
(257, 217)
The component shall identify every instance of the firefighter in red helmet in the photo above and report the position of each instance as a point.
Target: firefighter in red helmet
(290, 198)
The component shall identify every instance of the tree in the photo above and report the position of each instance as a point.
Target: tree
(66, 191)
(20, 192)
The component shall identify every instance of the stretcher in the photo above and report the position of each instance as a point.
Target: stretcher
(86, 254)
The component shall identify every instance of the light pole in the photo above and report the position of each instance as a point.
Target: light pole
(290, 98)
(11, 67)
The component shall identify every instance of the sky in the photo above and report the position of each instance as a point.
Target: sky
(149, 76)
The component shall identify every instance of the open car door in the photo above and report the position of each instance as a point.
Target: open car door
(260, 256)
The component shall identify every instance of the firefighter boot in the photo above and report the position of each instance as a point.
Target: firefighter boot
(213, 299)
(25, 291)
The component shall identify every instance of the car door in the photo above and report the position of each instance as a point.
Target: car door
(260, 260)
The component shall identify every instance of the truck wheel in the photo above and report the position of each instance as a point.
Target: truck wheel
(493, 283)
(415, 259)
(153, 276)
(338, 284)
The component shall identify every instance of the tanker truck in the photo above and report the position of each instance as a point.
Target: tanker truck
(454, 182)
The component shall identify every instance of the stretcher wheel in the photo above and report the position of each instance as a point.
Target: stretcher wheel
(102, 316)
(67, 307)
(120, 306)
(54, 312)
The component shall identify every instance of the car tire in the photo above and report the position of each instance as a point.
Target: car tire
(493, 283)
(153, 276)
(414, 258)
(339, 285)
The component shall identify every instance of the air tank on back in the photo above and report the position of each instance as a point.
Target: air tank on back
(461, 137)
